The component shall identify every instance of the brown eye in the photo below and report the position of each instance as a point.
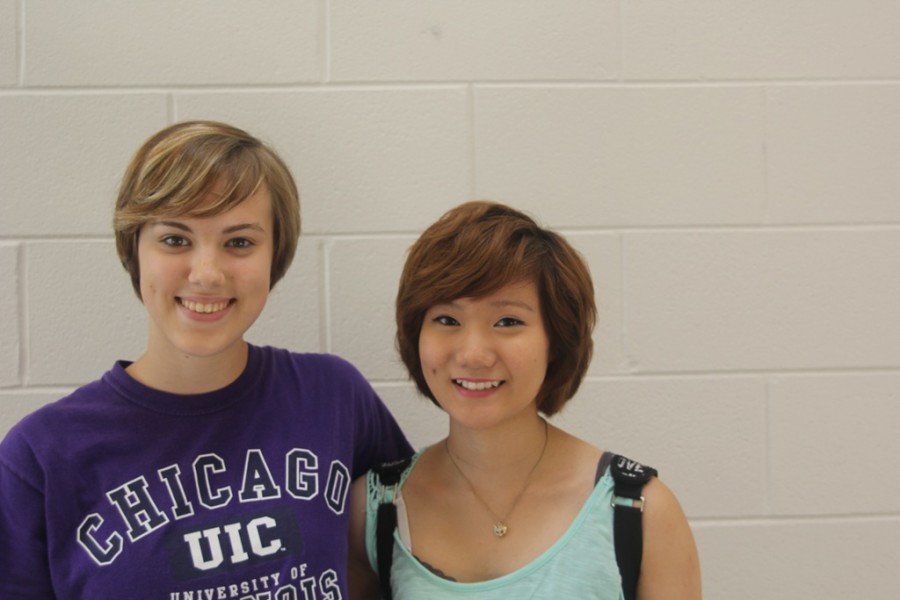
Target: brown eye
(240, 243)
(174, 241)
(445, 320)
(509, 322)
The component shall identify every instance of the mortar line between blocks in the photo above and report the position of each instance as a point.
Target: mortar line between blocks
(325, 41)
(766, 203)
(20, 43)
(620, 10)
(473, 157)
(767, 435)
(624, 356)
(324, 261)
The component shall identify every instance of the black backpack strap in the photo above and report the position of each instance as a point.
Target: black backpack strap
(388, 475)
(628, 506)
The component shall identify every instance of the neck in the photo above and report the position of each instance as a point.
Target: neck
(506, 493)
(178, 373)
(501, 451)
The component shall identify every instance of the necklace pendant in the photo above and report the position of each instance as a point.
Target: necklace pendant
(500, 529)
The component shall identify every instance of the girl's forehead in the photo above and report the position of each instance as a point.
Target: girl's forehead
(520, 292)
(255, 209)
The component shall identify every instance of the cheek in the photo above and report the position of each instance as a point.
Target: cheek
(425, 357)
(146, 281)
(258, 276)
(151, 297)
(428, 356)
(535, 360)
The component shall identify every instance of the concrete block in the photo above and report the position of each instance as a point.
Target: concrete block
(82, 315)
(63, 155)
(705, 435)
(733, 40)
(16, 404)
(756, 300)
(12, 315)
(469, 40)
(603, 254)
(9, 43)
(172, 43)
(363, 276)
(623, 156)
(808, 474)
(817, 558)
(365, 160)
(832, 153)
(293, 315)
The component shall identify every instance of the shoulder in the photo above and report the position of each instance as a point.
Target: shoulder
(662, 506)
(311, 368)
(633, 476)
(573, 458)
(38, 432)
(57, 413)
(670, 567)
(307, 361)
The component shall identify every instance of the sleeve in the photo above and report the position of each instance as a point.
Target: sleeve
(24, 564)
(378, 438)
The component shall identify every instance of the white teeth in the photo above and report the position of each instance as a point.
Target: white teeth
(476, 385)
(204, 308)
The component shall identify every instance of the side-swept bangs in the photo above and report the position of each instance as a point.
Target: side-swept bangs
(203, 168)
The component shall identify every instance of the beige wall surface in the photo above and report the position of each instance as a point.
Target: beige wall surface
(731, 171)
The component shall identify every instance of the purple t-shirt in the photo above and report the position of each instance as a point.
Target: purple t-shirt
(122, 491)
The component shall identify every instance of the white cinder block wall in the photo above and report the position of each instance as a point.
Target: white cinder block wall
(731, 171)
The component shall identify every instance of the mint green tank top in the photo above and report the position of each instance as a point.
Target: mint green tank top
(581, 564)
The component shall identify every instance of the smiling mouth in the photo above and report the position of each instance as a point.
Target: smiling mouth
(477, 386)
(204, 308)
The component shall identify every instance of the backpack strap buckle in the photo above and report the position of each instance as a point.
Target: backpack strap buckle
(625, 502)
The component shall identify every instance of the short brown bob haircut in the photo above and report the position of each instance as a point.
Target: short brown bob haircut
(174, 172)
(479, 247)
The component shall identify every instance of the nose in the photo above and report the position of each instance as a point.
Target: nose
(206, 269)
(475, 349)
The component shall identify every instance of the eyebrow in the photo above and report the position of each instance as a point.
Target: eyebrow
(231, 229)
(513, 303)
(496, 304)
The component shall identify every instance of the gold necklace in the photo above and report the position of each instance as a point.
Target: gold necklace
(500, 526)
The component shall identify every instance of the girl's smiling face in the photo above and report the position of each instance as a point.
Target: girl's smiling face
(204, 281)
(485, 358)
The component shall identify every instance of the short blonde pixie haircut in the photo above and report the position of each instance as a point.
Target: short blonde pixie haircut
(173, 173)
(479, 247)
